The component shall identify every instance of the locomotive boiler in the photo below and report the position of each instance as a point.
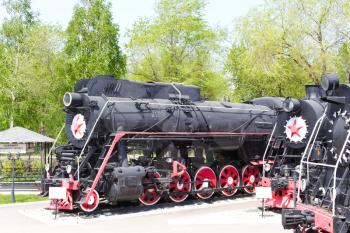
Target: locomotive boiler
(144, 141)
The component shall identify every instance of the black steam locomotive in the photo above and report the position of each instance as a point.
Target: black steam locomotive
(323, 172)
(143, 141)
(296, 124)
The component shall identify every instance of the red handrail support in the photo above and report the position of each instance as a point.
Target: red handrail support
(116, 139)
(175, 171)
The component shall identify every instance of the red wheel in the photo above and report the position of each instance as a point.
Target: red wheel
(150, 195)
(92, 203)
(180, 183)
(229, 177)
(204, 178)
(250, 177)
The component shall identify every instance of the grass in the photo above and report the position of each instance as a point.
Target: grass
(6, 199)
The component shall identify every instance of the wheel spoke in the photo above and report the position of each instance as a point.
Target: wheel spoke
(201, 178)
(180, 185)
(92, 203)
(250, 177)
(230, 180)
(150, 196)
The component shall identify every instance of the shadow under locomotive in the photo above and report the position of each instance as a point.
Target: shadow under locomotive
(126, 208)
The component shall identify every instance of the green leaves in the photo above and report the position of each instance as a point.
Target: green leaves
(176, 46)
(279, 47)
(31, 80)
(92, 42)
(286, 44)
(40, 62)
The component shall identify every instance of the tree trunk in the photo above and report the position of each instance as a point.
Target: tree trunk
(13, 98)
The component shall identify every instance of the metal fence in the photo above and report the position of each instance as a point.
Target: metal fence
(27, 168)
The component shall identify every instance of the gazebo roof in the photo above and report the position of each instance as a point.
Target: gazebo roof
(22, 135)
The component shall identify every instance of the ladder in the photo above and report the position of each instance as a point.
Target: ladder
(102, 162)
(274, 145)
(268, 146)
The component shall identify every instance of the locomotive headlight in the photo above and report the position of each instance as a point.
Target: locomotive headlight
(329, 82)
(68, 169)
(290, 105)
(72, 99)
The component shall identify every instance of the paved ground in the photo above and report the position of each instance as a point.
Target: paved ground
(20, 187)
(234, 215)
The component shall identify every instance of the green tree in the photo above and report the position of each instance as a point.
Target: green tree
(343, 61)
(44, 70)
(177, 45)
(287, 43)
(31, 71)
(92, 42)
(14, 30)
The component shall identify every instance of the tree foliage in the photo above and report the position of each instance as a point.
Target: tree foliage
(288, 43)
(40, 62)
(277, 48)
(92, 41)
(14, 31)
(177, 45)
(29, 71)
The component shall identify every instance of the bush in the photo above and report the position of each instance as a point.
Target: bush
(20, 168)
(36, 165)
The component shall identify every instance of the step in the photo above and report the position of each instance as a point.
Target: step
(66, 158)
(291, 156)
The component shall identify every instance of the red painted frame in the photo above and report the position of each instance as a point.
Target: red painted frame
(323, 219)
(281, 198)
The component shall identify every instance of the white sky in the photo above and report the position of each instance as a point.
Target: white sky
(125, 12)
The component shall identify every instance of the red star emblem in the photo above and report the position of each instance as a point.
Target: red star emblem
(77, 125)
(294, 129)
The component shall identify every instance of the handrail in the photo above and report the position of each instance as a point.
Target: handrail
(319, 164)
(268, 145)
(178, 91)
(334, 194)
(88, 139)
(116, 139)
(54, 143)
(313, 143)
(307, 151)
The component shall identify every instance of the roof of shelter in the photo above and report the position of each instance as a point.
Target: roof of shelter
(22, 135)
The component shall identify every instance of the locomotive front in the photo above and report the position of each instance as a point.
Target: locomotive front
(323, 171)
(296, 124)
(132, 140)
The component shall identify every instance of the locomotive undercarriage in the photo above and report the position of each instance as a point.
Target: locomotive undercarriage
(149, 167)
